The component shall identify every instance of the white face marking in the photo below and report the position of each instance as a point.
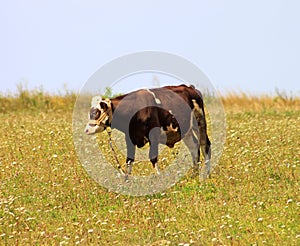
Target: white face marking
(96, 102)
(93, 129)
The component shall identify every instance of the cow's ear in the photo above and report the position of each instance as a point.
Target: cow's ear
(103, 105)
(108, 101)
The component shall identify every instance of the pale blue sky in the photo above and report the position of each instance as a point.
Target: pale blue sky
(253, 46)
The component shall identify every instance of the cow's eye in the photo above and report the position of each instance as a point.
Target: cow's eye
(94, 113)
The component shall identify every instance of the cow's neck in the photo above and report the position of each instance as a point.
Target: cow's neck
(118, 124)
(114, 104)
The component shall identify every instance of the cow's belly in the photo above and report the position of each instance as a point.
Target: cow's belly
(141, 142)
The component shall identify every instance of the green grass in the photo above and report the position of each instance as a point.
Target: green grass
(252, 197)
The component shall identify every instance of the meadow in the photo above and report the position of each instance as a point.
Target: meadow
(251, 198)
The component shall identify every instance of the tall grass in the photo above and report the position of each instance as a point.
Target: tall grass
(36, 99)
(242, 101)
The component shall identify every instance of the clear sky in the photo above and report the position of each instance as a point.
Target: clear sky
(252, 46)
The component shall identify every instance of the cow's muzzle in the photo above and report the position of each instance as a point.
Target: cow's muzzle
(97, 125)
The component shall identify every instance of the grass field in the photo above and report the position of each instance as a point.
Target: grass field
(252, 197)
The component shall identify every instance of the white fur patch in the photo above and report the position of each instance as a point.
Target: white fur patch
(196, 107)
(104, 116)
(170, 128)
(96, 102)
(154, 96)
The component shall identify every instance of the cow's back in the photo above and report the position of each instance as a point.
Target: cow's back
(177, 101)
(188, 93)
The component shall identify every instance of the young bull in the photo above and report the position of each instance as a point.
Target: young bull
(162, 115)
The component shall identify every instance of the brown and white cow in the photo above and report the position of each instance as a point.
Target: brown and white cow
(161, 115)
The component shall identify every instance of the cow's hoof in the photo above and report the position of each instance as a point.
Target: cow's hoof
(195, 174)
(205, 174)
(126, 178)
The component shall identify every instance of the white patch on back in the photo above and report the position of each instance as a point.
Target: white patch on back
(154, 96)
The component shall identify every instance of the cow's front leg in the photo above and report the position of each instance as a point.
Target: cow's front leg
(128, 166)
(153, 152)
(155, 164)
(130, 156)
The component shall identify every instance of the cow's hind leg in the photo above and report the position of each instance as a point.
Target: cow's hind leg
(130, 156)
(205, 144)
(191, 141)
(153, 152)
(205, 149)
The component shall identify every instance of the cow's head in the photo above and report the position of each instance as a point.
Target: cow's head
(100, 115)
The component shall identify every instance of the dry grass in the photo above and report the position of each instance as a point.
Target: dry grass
(252, 198)
(246, 102)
